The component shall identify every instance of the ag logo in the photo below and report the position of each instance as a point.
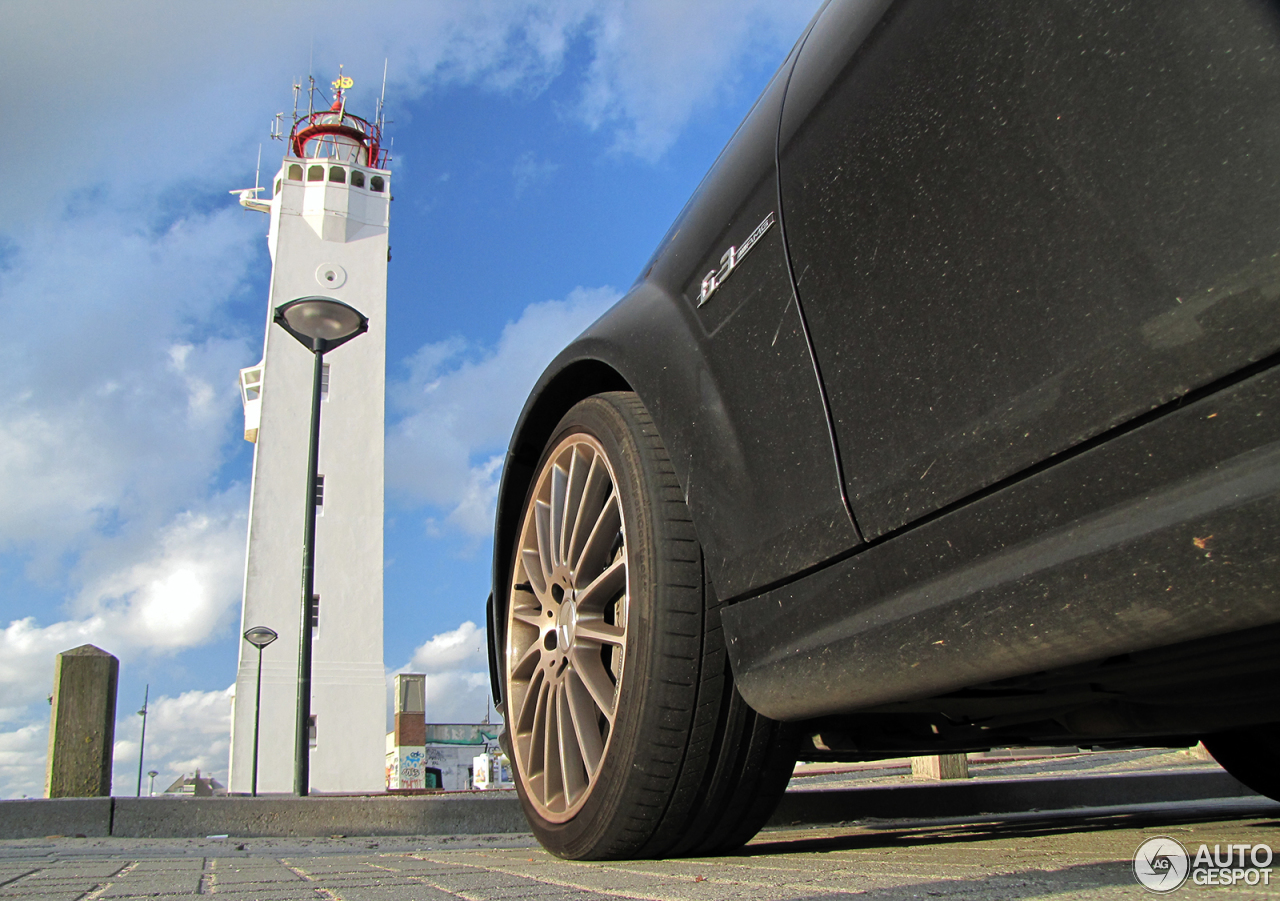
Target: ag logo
(1161, 864)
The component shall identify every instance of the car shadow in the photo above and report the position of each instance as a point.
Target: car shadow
(888, 835)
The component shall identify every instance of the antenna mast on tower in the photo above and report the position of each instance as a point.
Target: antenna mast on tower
(380, 116)
(249, 196)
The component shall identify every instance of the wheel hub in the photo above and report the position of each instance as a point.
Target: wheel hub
(566, 624)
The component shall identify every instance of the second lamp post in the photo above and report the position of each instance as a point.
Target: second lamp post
(259, 637)
(320, 324)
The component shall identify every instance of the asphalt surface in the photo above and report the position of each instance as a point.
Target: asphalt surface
(1077, 854)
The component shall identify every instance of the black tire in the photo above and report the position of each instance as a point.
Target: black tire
(687, 768)
(1252, 755)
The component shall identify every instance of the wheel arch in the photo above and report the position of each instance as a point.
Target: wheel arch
(649, 343)
(557, 391)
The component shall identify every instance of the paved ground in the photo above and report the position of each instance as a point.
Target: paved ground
(1084, 855)
(1079, 854)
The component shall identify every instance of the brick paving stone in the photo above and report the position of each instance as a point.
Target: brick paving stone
(149, 878)
(232, 875)
(46, 890)
(9, 874)
(85, 869)
(397, 891)
(1068, 857)
(270, 892)
(298, 893)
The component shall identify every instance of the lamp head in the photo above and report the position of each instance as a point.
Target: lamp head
(260, 636)
(321, 323)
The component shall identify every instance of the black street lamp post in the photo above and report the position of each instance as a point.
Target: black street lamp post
(320, 324)
(259, 637)
(142, 741)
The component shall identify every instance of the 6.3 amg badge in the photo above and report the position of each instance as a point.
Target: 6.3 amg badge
(732, 257)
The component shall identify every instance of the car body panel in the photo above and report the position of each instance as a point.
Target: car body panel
(1155, 536)
(753, 528)
(1016, 225)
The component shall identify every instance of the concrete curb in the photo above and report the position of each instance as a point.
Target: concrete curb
(450, 814)
(496, 812)
(460, 814)
(38, 817)
(815, 807)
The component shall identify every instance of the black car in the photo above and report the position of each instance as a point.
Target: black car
(944, 418)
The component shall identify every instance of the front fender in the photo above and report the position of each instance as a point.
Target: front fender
(746, 434)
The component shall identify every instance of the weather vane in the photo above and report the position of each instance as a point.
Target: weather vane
(342, 82)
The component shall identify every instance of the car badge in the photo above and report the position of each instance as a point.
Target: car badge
(729, 262)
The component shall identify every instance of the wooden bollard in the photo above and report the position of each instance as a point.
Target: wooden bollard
(82, 724)
(941, 766)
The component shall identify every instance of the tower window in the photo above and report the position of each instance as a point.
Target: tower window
(295, 172)
(320, 493)
(376, 183)
(357, 178)
(311, 731)
(315, 612)
(324, 382)
(315, 173)
(338, 174)
(276, 190)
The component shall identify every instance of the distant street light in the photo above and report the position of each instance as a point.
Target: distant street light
(259, 636)
(142, 742)
(151, 787)
(320, 324)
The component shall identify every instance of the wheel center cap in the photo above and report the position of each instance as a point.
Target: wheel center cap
(566, 624)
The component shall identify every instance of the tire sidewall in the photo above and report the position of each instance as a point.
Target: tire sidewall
(598, 826)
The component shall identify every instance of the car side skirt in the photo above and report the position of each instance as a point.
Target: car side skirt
(1162, 533)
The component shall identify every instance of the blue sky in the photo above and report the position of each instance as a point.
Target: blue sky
(541, 151)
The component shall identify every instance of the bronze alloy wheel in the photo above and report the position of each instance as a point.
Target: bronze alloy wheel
(567, 627)
(627, 736)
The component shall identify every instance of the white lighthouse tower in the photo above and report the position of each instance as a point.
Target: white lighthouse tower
(328, 237)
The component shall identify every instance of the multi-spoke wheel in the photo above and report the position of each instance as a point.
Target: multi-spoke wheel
(627, 735)
(567, 641)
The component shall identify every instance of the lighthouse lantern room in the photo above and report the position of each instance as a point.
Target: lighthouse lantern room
(327, 237)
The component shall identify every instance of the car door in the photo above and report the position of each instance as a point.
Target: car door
(1017, 226)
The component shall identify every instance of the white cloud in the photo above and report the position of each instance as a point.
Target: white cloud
(657, 63)
(186, 733)
(458, 697)
(459, 405)
(461, 649)
(183, 591)
(181, 587)
(457, 670)
(530, 171)
(120, 393)
(119, 409)
(130, 96)
(22, 761)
